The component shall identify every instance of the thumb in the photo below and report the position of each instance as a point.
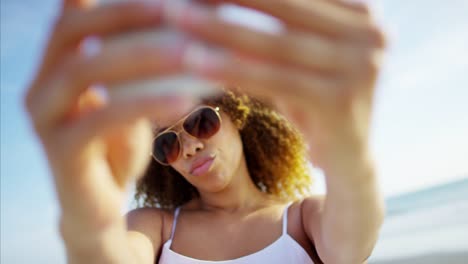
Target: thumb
(128, 151)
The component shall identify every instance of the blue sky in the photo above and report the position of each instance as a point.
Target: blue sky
(419, 133)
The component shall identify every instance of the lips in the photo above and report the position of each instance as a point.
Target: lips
(201, 166)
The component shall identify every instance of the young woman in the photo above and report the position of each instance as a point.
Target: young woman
(228, 180)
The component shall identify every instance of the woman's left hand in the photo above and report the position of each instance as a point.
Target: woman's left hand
(320, 71)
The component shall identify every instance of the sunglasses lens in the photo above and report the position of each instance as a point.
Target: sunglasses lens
(166, 147)
(203, 123)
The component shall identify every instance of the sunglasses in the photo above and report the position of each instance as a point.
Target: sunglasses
(202, 123)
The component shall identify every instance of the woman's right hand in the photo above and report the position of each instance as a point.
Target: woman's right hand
(94, 147)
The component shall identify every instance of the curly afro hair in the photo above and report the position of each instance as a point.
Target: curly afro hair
(274, 149)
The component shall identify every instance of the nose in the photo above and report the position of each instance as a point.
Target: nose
(190, 145)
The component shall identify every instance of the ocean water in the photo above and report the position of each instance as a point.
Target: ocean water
(428, 198)
(431, 222)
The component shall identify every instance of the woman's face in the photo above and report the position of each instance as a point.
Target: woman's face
(209, 164)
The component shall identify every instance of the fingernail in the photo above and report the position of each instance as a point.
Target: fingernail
(91, 46)
(194, 56)
(200, 59)
(101, 91)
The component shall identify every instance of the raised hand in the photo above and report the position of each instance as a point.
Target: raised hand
(96, 146)
(320, 70)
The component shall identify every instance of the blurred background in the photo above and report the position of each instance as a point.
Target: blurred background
(419, 136)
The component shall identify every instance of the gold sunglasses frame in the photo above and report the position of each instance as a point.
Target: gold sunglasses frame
(182, 120)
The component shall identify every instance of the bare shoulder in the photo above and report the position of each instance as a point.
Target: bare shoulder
(144, 219)
(310, 209)
(304, 210)
(312, 205)
(300, 212)
(145, 228)
(153, 222)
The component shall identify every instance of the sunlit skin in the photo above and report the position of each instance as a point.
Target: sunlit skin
(230, 205)
(320, 73)
(225, 145)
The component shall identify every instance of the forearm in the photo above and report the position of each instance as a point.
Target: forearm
(354, 208)
(109, 245)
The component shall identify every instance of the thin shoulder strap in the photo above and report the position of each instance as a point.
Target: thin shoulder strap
(285, 219)
(174, 223)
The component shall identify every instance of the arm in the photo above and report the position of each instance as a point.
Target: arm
(320, 73)
(145, 232)
(95, 146)
(117, 243)
(344, 225)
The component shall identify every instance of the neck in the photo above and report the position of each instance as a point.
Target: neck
(240, 195)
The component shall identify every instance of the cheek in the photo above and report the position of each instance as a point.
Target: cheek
(229, 143)
(181, 166)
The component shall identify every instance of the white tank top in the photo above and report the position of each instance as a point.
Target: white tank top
(284, 250)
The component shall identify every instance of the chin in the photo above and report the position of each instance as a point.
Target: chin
(214, 182)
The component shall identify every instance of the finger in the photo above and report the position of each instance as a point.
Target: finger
(128, 63)
(85, 136)
(119, 114)
(90, 100)
(107, 19)
(74, 25)
(319, 15)
(361, 6)
(127, 150)
(260, 79)
(309, 51)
